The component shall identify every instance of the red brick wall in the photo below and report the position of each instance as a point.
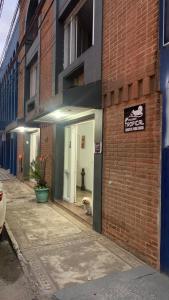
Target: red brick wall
(47, 42)
(46, 53)
(130, 37)
(131, 165)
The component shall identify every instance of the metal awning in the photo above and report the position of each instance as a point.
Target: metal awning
(19, 126)
(22, 129)
(64, 114)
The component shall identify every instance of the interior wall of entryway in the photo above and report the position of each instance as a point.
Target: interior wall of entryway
(31, 150)
(34, 145)
(85, 155)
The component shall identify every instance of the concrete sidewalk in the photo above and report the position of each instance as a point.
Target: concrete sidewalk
(13, 284)
(142, 283)
(56, 250)
(5, 175)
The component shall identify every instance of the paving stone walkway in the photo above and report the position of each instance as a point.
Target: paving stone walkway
(141, 283)
(57, 250)
(5, 175)
(13, 284)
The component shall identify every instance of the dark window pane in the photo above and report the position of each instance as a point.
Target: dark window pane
(84, 27)
(33, 30)
(166, 22)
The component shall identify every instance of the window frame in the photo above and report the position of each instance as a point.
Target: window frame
(69, 22)
(164, 5)
(34, 68)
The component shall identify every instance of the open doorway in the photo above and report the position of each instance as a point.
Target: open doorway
(34, 150)
(34, 145)
(79, 168)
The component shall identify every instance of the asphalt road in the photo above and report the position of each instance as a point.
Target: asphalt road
(13, 284)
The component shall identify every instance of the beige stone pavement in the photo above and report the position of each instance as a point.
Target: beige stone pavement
(57, 250)
(13, 282)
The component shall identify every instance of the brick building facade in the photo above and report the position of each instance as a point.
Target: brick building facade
(77, 76)
(57, 46)
(131, 165)
(37, 49)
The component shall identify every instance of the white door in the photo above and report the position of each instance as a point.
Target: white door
(70, 164)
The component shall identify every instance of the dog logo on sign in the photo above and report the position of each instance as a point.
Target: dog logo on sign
(134, 118)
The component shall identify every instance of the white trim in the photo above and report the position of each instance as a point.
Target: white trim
(66, 175)
(67, 37)
(93, 28)
(75, 11)
(70, 42)
(70, 166)
(73, 171)
(76, 35)
(34, 145)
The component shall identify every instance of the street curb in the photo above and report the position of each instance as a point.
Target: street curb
(24, 264)
(15, 246)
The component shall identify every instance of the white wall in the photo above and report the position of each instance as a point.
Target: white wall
(34, 145)
(85, 157)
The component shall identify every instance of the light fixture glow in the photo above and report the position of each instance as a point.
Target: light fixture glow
(58, 114)
(21, 129)
(24, 129)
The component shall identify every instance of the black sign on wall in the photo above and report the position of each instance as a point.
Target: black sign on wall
(134, 118)
(98, 147)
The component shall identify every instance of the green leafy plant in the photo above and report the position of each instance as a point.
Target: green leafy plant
(37, 171)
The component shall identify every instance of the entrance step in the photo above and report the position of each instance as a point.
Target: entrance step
(75, 211)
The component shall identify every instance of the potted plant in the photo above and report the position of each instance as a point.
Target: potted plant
(37, 172)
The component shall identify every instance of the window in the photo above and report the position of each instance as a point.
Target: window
(84, 28)
(78, 33)
(32, 31)
(166, 22)
(33, 80)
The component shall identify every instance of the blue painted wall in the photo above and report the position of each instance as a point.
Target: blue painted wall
(9, 104)
(164, 85)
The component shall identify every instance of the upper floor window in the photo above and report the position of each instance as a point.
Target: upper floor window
(166, 22)
(79, 33)
(31, 23)
(33, 81)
